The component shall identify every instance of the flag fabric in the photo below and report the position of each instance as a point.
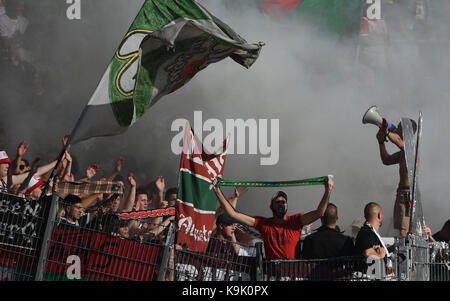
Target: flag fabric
(196, 201)
(339, 17)
(166, 45)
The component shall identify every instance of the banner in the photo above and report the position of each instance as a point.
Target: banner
(101, 257)
(166, 45)
(20, 221)
(133, 215)
(197, 202)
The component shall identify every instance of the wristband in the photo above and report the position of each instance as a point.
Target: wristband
(391, 127)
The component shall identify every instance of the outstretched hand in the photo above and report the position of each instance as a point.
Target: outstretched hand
(239, 190)
(214, 184)
(330, 184)
(118, 167)
(91, 171)
(381, 136)
(21, 149)
(65, 140)
(160, 184)
(131, 179)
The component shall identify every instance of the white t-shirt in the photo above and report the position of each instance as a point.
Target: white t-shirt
(10, 27)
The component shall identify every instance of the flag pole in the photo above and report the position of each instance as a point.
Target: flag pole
(52, 175)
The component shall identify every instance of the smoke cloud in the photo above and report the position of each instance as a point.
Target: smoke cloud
(307, 79)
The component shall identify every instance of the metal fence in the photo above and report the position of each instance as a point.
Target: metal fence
(22, 224)
(35, 244)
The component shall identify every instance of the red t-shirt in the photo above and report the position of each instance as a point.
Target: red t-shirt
(281, 240)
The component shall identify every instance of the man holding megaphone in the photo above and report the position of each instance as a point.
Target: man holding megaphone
(395, 135)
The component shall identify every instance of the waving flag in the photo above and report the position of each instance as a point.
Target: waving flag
(340, 17)
(166, 45)
(196, 203)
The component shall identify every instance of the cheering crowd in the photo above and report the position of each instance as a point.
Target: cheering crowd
(97, 211)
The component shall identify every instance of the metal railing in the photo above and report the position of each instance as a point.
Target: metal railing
(35, 244)
(22, 224)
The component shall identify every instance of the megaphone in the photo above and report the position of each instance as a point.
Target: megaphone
(372, 116)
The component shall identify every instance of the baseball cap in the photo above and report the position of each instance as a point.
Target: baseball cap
(71, 199)
(224, 219)
(4, 158)
(34, 183)
(278, 194)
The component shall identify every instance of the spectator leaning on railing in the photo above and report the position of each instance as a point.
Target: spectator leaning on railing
(224, 244)
(281, 233)
(368, 242)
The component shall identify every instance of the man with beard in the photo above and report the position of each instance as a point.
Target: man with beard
(280, 233)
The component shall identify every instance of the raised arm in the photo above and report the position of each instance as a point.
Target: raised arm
(314, 215)
(18, 179)
(228, 208)
(90, 172)
(21, 149)
(161, 186)
(387, 158)
(396, 139)
(90, 200)
(116, 170)
(131, 197)
(232, 200)
(33, 170)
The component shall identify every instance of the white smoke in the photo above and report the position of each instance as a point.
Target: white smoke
(306, 79)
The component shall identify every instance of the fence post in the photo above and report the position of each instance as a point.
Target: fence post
(259, 262)
(47, 236)
(167, 252)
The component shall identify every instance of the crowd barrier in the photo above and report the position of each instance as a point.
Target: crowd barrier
(34, 245)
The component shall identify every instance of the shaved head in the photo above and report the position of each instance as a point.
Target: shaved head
(371, 211)
(330, 216)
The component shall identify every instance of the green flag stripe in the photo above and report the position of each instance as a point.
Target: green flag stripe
(197, 192)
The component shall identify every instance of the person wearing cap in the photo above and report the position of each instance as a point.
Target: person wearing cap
(7, 181)
(280, 233)
(73, 210)
(223, 244)
(4, 167)
(35, 187)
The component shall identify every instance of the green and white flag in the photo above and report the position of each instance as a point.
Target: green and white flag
(167, 44)
(196, 201)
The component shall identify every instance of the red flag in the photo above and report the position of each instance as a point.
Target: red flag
(197, 202)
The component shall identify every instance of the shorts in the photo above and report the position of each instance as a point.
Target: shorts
(401, 209)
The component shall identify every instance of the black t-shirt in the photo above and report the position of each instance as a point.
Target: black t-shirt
(366, 239)
(438, 237)
(327, 243)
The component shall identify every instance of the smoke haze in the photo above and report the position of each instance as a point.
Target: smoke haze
(307, 79)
